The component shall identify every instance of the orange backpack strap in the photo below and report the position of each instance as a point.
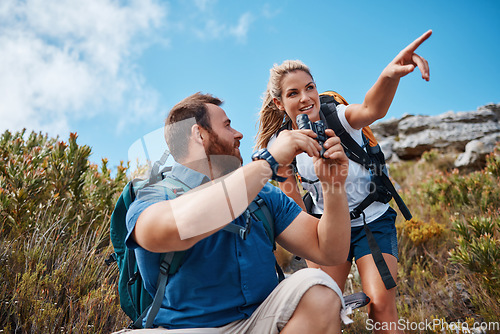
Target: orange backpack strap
(366, 130)
(369, 135)
(339, 98)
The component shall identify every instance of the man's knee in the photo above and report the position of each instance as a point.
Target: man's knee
(322, 301)
(318, 310)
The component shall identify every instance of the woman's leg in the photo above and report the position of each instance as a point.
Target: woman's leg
(382, 308)
(339, 273)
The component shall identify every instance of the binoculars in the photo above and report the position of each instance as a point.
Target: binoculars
(318, 127)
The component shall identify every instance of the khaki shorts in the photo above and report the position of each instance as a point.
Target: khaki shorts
(273, 314)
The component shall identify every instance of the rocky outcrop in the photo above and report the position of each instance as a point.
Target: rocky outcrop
(471, 134)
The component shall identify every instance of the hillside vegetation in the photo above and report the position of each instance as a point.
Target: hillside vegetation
(54, 223)
(54, 238)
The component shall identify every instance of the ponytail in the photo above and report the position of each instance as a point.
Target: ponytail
(270, 121)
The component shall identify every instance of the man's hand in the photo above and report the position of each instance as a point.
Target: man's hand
(406, 61)
(334, 168)
(289, 143)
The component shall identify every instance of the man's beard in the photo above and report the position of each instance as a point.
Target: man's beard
(223, 157)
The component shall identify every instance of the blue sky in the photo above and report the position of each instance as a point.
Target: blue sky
(111, 70)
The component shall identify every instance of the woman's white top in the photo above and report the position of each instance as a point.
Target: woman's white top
(357, 184)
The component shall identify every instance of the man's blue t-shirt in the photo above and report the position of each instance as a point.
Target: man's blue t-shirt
(223, 278)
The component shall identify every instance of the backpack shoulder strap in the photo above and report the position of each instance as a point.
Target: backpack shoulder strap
(337, 98)
(155, 175)
(368, 133)
(357, 154)
(170, 262)
(286, 126)
(259, 209)
(351, 147)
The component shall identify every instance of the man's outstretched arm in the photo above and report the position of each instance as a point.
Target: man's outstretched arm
(179, 223)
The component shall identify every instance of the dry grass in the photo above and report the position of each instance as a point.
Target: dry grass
(54, 224)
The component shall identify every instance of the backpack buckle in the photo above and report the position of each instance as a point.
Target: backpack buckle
(355, 213)
(243, 233)
(133, 278)
(178, 191)
(164, 268)
(248, 224)
(110, 259)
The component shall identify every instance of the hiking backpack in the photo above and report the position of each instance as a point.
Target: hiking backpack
(381, 187)
(135, 301)
(372, 159)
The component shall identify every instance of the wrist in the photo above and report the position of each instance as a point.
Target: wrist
(333, 188)
(264, 154)
(389, 74)
(264, 168)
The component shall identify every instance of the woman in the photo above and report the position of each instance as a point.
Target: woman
(292, 91)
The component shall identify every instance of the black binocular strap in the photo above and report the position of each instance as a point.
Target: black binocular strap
(378, 258)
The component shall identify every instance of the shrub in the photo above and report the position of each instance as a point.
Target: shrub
(478, 251)
(493, 162)
(433, 284)
(54, 222)
(478, 190)
(419, 232)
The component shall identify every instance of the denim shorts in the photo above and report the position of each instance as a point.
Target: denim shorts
(383, 229)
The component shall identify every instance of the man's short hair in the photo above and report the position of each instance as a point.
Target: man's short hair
(177, 133)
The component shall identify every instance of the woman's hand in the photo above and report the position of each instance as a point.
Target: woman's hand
(289, 143)
(379, 98)
(334, 167)
(406, 61)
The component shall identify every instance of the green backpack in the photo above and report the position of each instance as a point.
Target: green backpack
(135, 301)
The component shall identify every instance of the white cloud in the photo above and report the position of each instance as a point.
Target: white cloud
(69, 59)
(211, 28)
(270, 11)
(241, 30)
(203, 5)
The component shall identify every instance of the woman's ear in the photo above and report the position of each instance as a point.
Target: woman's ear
(278, 104)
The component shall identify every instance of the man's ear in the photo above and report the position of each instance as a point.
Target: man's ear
(278, 104)
(196, 134)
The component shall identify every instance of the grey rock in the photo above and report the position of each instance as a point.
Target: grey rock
(412, 135)
(386, 145)
(386, 128)
(477, 150)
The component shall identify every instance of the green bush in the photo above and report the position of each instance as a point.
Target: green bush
(493, 163)
(448, 253)
(478, 252)
(54, 222)
(478, 190)
(54, 237)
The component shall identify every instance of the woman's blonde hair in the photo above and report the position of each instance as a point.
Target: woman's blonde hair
(270, 117)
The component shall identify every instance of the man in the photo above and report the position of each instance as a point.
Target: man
(226, 284)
